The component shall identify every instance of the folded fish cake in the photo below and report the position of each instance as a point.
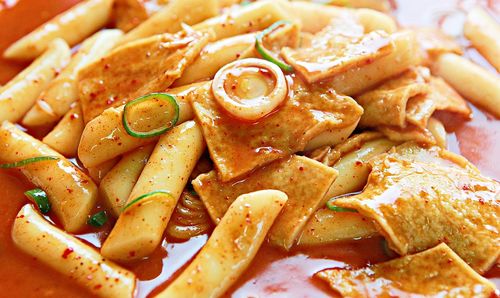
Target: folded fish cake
(410, 99)
(238, 147)
(421, 197)
(137, 68)
(436, 272)
(305, 181)
(440, 98)
(391, 98)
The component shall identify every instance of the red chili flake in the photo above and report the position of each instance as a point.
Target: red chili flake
(73, 116)
(238, 55)
(131, 253)
(97, 287)
(359, 163)
(466, 187)
(301, 169)
(67, 252)
(110, 101)
(481, 201)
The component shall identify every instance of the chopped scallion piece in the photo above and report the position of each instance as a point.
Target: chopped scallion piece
(40, 198)
(133, 109)
(27, 161)
(332, 207)
(265, 53)
(98, 219)
(144, 196)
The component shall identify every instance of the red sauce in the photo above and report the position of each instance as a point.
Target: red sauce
(272, 273)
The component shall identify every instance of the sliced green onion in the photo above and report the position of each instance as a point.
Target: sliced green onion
(172, 117)
(144, 196)
(27, 161)
(193, 192)
(98, 220)
(332, 207)
(265, 53)
(40, 198)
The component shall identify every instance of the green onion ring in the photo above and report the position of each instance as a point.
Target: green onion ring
(27, 161)
(144, 196)
(158, 131)
(98, 220)
(266, 54)
(40, 198)
(332, 207)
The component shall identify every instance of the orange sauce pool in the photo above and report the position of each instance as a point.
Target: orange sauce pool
(272, 273)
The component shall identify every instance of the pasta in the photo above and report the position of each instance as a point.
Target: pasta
(327, 226)
(169, 18)
(255, 16)
(352, 160)
(214, 56)
(219, 264)
(316, 17)
(438, 131)
(217, 54)
(96, 147)
(71, 193)
(476, 84)
(98, 172)
(63, 252)
(72, 26)
(117, 184)
(56, 100)
(139, 229)
(354, 167)
(244, 148)
(17, 97)
(383, 5)
(65, 137)
(482, 30)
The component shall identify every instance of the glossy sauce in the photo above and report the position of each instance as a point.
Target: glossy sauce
(272, 273)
